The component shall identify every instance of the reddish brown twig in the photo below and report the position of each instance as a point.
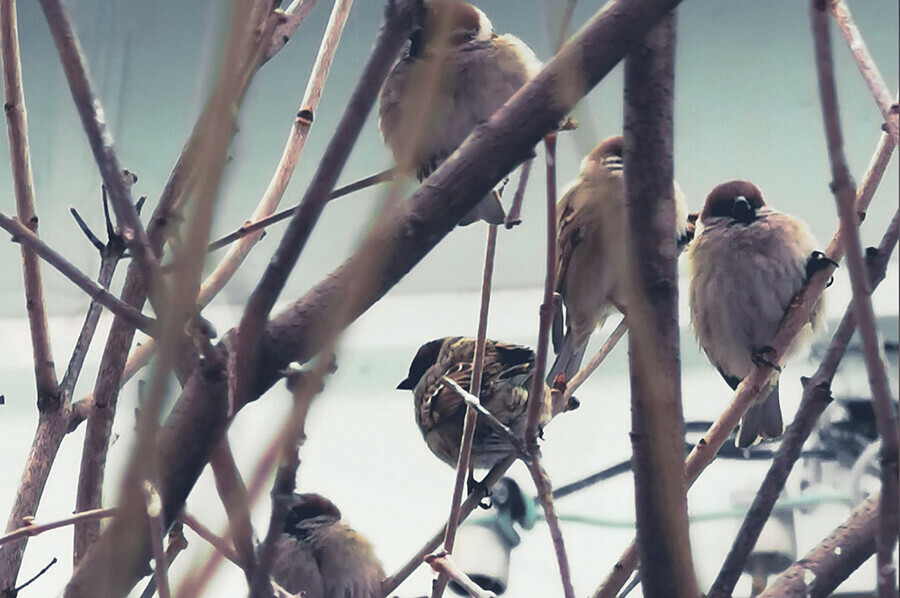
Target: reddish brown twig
(33, 529)
(536, 396)
(222, 545)
(843, 187)
(233, 493)
(468, 431)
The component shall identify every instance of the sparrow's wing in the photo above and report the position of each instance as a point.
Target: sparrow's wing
(509, 362)
(568, 236)
(732, 381)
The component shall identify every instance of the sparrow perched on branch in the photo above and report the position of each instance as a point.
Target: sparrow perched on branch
(590, 271)
(454, 74)
(747, 263)
(318, 556)
(505, 385)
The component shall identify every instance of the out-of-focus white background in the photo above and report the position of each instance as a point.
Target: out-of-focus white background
(746, 106)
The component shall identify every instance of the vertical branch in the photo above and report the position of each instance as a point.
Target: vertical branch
(536, 396)
(657, 420)
(824, 567)
(17, 130)
(52, 411)
(844, 190)
(468, 432)
(816, 397)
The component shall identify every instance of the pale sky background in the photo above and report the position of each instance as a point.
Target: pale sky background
(746, 107)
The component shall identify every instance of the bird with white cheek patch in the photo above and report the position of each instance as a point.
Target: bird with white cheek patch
(318, 556)
(454, 74)
(590, 271)
(747, 262)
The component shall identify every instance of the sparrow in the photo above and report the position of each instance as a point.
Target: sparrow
(319, 556)
(747, 263)
(455, 72)
(590, 270)
(505, 385)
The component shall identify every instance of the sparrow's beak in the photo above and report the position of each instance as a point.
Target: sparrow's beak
(406, 385)
(742, 211)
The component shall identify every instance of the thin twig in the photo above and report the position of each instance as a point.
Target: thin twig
(536, 394)
(445, 567)
(614, 338)
(48, 396)
(34, 529)
(867, 67)
(794, 321)
(843, 187)
(222, 545)
(824, 567)
(463, 461)
(816, 397)
(514, 218)
(35, 577)
(488, 417)
(233, 493)
(257, 224)
(594, 478)
(22, 235)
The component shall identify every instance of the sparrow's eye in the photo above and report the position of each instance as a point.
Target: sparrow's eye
(722, 208)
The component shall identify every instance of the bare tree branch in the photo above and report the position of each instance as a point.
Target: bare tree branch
(657, 421)
(48, 396)
(844, 190)
(824, 567)
(610, 344)
(222, 545)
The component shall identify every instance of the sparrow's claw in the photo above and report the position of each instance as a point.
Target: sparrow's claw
(472, 485)
(760, 358)
(818, 261)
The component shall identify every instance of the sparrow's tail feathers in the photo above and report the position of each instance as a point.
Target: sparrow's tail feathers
(762, 420)
(488, 209)
(568, 360)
